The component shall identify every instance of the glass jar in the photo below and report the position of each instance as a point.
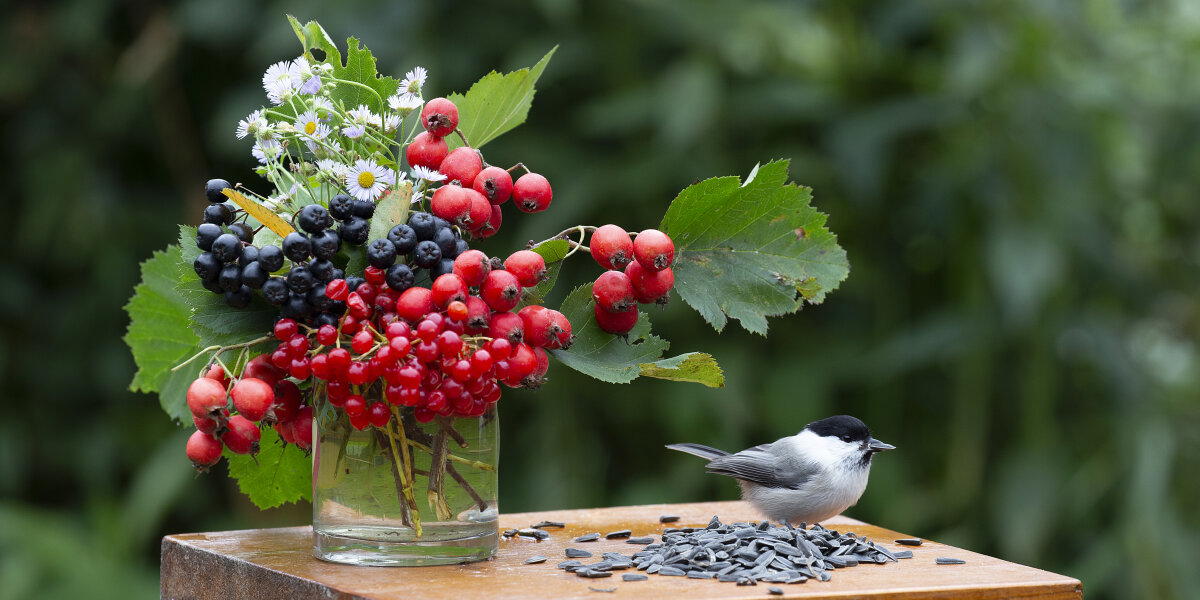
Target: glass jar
(409, 493)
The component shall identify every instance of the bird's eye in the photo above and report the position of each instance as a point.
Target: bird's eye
(845, 438)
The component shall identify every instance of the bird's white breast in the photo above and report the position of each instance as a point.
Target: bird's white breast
(835, 485)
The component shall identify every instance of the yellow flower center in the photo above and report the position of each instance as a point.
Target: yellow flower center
(310, 127)
(366, 179)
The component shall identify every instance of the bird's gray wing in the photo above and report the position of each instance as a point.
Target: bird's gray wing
(763, 466)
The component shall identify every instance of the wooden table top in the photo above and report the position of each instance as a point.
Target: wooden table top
(265, 564)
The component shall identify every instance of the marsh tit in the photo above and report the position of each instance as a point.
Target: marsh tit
(804, 478)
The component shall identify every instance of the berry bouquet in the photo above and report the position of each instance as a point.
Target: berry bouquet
(344, 336)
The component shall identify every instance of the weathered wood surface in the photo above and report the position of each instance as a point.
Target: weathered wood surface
(269, 564)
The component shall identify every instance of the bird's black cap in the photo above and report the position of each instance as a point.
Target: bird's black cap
(845, 427)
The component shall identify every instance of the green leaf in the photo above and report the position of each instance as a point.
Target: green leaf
(391, 211)
(496, 103)
(160, 334)
(752, 250)
(214, 321)
(696, 367)
(359, 67)
(278, 474)
(614, 359)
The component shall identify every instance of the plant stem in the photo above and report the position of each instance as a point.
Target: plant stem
(398, 477)
(464, 484)
(453, 457)
(437, 468)
(449, 430)
(219, 350)
(405, 460)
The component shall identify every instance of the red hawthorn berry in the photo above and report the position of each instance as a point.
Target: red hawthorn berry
(260, 367)
(472, 267)
(506, 326)
(546, 328)
(480, 210)
(286, 431)
(252, 398)
(527, 265)
(463, 165)
(531, 193)
(654, 249)
(521, 364)
(209, 423)
(495, 184)
(302, 427)
(649, 286)
(617, 323)
(439, 117)
(448, 288)
(414, 304)
(492, 226)
(426, 150)
(337, 290)
(205, 396)
(217, 373)
(242, 435)
(501, 290)
(203, 450)
(613, 291)
(543, 365)
(478, 315)
(611, 247)
(452, 203)
(287, 401)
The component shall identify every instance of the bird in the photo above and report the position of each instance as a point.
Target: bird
(805, 478)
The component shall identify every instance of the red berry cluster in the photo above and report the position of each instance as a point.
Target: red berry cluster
(261, 394)
(639, 271)
(474, 190)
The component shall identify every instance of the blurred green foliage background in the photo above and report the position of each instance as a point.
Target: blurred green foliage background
(1015, 182)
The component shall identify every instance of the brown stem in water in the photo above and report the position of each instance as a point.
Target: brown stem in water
(384, 442)
(462, 482)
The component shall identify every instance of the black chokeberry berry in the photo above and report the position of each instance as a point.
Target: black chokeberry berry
(297, 307)
(249, 255)
(227, 248)
(314, 218)
(381, 254)
(353, 282)
(300, 279)
(243, 231)
(444, 238)
(239, 298)
(338, 274)
(326, 319)
(275, 290)
(296, 247)
(423, 225)
(206, 234)
(426, 254)
(446, 265)
(317, 298)
(218, 214)
(460, 246)
(355, 230)
(212, 190)
(254, 275)
(403, 238)
(321, 269)
(213, 286)
(325, 244)
(207, 267)
(271, 258)
(230, 277)
(363, 209)
(340, 207)
(400, 277)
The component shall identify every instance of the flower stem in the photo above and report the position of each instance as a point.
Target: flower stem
(219, 350)
(437, 468)
(398, 477)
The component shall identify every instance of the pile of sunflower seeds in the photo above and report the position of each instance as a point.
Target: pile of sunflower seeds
(742, 553)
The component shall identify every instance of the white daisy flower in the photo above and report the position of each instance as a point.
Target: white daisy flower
(404, 102)
(280, 81)
(331, 168)
(309, 125)
(427, 174)
(266, 150)
(322, 105)
(390, 123)
(252, 124)
(354, 131)
(366, 180)
(413, 81)
(365, 116)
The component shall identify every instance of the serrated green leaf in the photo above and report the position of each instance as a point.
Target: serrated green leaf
(752, 250)
(359, 66)
(496, 104)
(213, 321)
(614, 359)
(391, 211)
(278, 474)
(160, 335)
(696, 367)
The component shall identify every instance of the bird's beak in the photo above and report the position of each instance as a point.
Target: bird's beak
(877, 446)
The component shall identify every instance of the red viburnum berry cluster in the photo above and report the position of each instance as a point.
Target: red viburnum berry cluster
(474, 190)
(639, 272)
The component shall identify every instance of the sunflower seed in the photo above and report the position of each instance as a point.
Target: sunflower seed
(545, 524)
(909, 542)
(509, 533)
(640, 540)
(577, 553)
(613, 535)
(775, 591)
(569, 564)
(536, 534)
(668, 518)
(533, 560)
(950, 561)
(903, 554)
(634, 577)
(591, 574)
(671, 571)
(605, 590)
(591, 537)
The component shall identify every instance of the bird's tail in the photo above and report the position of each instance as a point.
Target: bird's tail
(700, 450)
